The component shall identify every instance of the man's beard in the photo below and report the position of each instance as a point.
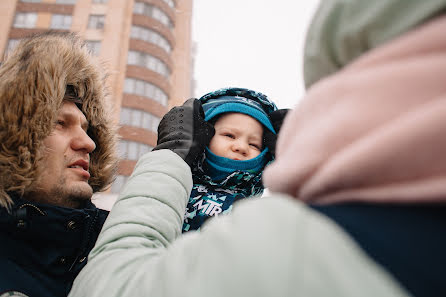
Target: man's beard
(74, 196)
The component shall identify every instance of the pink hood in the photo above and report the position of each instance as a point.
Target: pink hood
(374, 131)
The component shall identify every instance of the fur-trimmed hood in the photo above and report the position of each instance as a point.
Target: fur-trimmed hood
(34, 79)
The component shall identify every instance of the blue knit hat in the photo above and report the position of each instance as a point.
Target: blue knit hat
(239, 100)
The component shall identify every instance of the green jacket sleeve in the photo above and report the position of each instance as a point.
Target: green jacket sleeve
(266, 247)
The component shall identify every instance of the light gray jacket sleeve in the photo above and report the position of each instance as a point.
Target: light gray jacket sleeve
(266, 247)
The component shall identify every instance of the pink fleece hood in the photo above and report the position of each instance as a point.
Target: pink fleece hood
(372, 131)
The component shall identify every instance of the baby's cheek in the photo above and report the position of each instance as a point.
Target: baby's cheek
(254, 153)
(213, 144)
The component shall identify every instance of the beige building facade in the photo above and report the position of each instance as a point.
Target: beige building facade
(146, 46)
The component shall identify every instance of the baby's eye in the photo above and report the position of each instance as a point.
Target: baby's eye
(229, 135)
(256, 146)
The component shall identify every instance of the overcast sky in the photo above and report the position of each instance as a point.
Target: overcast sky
(255, 44)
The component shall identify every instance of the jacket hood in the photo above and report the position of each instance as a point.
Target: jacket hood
(372, 131)
(34, 80)
(342, 30)
(240, 100)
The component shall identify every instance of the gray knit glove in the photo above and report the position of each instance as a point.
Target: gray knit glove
(184, 131)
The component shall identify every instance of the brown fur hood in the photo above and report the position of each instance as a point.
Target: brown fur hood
(33, 82)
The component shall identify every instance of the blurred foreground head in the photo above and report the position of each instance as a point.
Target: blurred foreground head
(40, 73)
(370, 127)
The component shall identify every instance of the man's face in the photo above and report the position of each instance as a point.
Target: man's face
(237, 137)
(64, 177)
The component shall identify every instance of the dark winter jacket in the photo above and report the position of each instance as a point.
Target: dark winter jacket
(44, 247)
(391, 234)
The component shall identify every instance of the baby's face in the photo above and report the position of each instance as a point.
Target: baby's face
(237, 137)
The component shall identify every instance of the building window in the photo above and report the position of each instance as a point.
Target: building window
(118, 184)
(132, 150)
(94, 46)
(100, 1)
(60, 21)
(148, 61)
(25, 20)
(139, 118)
(12, 43)
(145, 89)
(152, 11)
(96, 21)
(171, 3)
(66, 1)
(151, 36)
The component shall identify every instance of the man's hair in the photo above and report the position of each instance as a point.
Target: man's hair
(41, 72)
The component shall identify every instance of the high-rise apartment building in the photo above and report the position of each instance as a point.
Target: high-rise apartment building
(145, 44)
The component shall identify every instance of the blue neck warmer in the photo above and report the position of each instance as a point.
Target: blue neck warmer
(218, 184)
(220, 167)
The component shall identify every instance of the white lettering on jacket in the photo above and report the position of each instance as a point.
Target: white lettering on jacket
(211, 208)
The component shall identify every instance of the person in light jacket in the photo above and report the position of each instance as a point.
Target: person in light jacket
(358, 203)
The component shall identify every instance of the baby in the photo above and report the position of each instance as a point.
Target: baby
(232, 165)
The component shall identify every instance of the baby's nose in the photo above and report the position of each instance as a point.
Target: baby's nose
(241, 147)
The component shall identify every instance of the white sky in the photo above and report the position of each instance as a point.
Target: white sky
(255, 44)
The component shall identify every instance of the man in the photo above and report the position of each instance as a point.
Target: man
(358, 187)
(57, 149)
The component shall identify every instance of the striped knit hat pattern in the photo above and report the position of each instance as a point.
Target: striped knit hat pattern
(239, 100)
